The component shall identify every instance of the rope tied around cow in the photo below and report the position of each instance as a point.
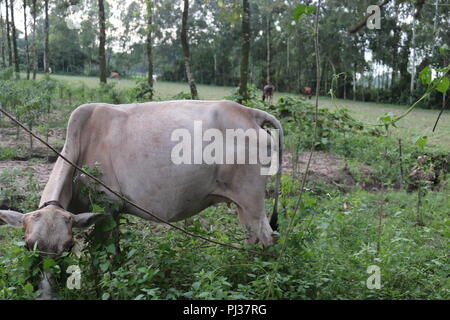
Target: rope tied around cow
(123, 198)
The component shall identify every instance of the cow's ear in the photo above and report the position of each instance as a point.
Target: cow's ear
(11, 217)
(84, 220)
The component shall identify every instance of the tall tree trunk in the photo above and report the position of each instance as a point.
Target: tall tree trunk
(185, 44)
(46, 31)
(268, 47)
(245, 51)
(413, 66)
(27, 49)
(149, 45)
(34, 13)
(2, 35)
(8, 36)
(14, 41)
(102, 37)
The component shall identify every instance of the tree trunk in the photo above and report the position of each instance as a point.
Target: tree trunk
(102, 37)
(8, 36)
(34, 40)
(185, 44)
(27, 49)
(14, 41)
(245, 51)
(2, 35)
(149, 45)
(46, 31)
(413, 66)
(268, 47)
(215, 68)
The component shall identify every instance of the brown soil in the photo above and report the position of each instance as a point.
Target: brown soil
(328, 167)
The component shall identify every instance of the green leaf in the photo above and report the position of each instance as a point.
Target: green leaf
(111, 248)
(302, 9)
(425, 75)
(28, 288)
(196, 285)
(386, 118)
(421, 141)
(443, 85)
(104, 266)
(48, 263)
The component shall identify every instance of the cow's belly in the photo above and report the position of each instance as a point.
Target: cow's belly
(171, 192)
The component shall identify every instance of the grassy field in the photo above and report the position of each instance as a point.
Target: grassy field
(419, 122)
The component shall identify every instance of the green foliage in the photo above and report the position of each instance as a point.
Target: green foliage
(182, 96)
(299, 122)
(301, 10)
(143, 91)
(253, 97)
(7, 154)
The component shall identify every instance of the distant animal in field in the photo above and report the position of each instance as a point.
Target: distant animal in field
(308, 92)
(268, 91)
(114, 75)
(155, 77)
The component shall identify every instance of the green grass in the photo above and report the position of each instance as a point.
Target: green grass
(419, 122)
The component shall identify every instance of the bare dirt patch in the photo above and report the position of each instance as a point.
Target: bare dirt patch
(328, 167)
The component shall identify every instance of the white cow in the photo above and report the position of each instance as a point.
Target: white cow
(134, 146)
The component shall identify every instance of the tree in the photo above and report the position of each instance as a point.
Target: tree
(14, 41)
(149, 46)
(8, 35)
(34, 13)
(102, 38)
(2, 35)
(46, 31)
(185, 45)
(245, 51)
(27, 49)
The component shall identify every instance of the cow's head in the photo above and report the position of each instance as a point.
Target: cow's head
(49, 229)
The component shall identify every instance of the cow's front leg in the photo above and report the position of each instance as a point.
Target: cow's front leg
(46, 287)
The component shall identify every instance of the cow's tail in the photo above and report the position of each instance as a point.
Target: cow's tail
(263, 117)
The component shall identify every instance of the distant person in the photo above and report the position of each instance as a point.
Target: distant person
(114, 75)
(268, 91)
(308, 92)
